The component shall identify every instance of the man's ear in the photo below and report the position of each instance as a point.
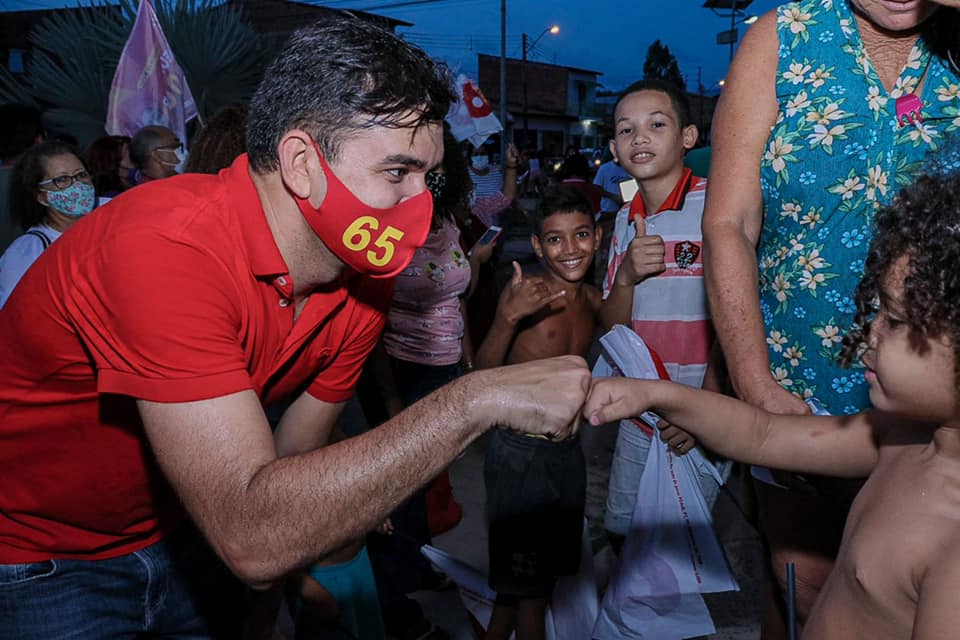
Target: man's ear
(537, 247)
(690, 134)
(299, 161)
(613, 150)
(597, 237)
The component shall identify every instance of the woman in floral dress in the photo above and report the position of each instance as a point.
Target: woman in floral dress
(830, 107)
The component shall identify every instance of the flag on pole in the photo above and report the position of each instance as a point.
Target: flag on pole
(471, 117)
(149, 87)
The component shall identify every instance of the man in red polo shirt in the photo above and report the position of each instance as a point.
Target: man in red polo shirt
(140, 349)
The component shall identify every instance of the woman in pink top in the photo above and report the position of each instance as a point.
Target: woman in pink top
(427, 346)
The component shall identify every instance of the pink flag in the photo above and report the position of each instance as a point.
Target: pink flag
(149, 87)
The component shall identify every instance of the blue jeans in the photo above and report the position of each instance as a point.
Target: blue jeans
(176, 588)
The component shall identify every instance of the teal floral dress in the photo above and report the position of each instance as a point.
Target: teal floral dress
(835, 154)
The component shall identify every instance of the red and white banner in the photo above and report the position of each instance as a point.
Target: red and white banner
(471, 117)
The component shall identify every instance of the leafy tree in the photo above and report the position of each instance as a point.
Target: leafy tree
(74, 55)
(662, 65)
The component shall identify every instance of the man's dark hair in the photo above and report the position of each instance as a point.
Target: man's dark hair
(343, 74)
(144, 142)
(678, 97)
(923, 222)
(29, 170)
(561, 199)
(21, 126)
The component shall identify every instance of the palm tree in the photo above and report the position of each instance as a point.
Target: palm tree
(74, 54)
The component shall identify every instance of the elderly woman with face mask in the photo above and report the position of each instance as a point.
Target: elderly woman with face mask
(829, 108)
(50, 190)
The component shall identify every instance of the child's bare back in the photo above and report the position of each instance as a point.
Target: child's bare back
(901, 538)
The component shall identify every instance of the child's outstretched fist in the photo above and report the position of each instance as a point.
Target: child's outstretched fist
(612, 399)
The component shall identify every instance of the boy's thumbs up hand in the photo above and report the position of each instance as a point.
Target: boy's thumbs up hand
(517, 278)
(644, 256)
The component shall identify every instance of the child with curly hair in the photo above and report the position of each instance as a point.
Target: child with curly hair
(898, 569)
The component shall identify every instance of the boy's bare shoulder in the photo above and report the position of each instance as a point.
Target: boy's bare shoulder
(594, 297)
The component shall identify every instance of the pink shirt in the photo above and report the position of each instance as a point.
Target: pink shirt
(424, 324)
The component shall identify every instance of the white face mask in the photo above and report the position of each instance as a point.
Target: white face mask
(480, 162)
(181, 159)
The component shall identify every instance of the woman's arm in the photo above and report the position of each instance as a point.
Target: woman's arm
(734, 214)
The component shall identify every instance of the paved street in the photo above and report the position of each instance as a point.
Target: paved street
(736, 615)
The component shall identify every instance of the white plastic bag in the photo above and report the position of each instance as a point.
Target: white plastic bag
(671, 554)
(573, 606)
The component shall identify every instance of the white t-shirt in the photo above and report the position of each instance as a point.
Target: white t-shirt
(22, 253)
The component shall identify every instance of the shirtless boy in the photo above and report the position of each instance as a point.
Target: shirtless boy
(536, 487)
(897, 574)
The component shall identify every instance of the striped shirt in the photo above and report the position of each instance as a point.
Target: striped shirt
(670, 310)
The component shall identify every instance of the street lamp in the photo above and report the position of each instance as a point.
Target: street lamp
(527, 46)
(736, 9)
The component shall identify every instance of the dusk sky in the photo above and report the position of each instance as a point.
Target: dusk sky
(610, 36)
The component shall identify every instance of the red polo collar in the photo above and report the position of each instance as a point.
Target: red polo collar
(673, 202)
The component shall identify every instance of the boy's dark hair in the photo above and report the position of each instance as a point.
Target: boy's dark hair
(678, 97)
(27, 173)
(343, 74)
(22, 125)
(561, 199)
(923, 222)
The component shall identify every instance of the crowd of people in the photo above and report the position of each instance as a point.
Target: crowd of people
(236, 369)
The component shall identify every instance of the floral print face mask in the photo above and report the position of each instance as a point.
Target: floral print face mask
(75, 201)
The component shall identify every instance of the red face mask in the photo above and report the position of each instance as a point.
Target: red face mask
(372, 241)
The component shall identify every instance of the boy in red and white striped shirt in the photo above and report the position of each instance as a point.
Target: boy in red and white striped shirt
(654, 281)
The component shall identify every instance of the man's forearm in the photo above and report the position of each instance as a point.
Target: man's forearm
(285, 522)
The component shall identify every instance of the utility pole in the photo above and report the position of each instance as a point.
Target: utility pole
(523, 78)
(523, 82)
(503, 80)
